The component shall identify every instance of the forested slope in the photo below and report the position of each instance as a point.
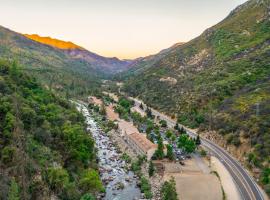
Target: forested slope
(53, 67)
(45, 150)
(219, 81)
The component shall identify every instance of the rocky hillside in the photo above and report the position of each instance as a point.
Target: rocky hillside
(45, 151)
(99, 63)
(219, 81)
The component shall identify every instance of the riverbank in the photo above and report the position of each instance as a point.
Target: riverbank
(119, 182)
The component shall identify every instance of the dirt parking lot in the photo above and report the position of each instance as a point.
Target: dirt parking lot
(196, 187)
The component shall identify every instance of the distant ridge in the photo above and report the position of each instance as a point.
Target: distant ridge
(53, 42)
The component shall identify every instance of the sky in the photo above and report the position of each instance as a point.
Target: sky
(116, 28)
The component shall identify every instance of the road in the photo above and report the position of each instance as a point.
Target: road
(247, 186)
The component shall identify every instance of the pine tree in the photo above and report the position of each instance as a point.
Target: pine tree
(170, 154)
(151, 169)
(198, 140)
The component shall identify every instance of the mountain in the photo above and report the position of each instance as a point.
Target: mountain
(219, 82)
(53, 67)
(139, 65)
(100, 63)
(45, 150)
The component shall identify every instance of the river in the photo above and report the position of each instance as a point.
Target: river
(120, 184)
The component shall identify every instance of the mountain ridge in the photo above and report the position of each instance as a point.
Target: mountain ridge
(216, 81)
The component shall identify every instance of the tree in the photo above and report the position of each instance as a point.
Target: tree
(163, 123)
(149, 112)
(187, 144)
(151, 169)
(103, 110)
(141, 106)
(176, 127)
(57, 178)
(198, 140)
(90, 181)
(13, 193)
(168, 134)
(168, 190)
(159, 153)
(87, 196)
(170, 154)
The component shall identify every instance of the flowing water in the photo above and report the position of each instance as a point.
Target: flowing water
(119, 183)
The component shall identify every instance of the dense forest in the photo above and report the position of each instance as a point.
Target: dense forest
(45, 150)
(218, 81)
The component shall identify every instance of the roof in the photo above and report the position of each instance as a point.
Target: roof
(128, 127)
(142, 142)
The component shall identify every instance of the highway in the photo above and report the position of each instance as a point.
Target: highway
(248, 188)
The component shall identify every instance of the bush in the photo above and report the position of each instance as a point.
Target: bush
(168, 190)
(57, 179)
(90, 181)
(146, 187)
(14, 192)
(7, 154)
(87, 196)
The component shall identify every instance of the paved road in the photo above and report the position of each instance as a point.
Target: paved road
(247, 187)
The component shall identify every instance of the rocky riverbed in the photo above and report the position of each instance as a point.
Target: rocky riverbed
(120, 183)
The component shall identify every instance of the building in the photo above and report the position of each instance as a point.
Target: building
(126, 128)
(141, 145)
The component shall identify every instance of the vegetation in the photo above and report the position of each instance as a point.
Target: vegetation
(151, 168)
(170, 154)
(220, 78)
(159, 153)
(168, 190)
(123, 107)
(186, 143)
(146, 188)
(44, 146)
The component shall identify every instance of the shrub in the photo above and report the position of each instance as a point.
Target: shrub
(7, 154)
(14, 192)
(168, 190)
(90, 181)
(57, 178)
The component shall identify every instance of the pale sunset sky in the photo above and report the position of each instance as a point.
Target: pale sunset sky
(121, 28)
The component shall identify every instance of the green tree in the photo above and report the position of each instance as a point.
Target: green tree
(169, 134)
(102, 110)
(57, 178)
(87, 196)
(170, 154)
(159, 153)
(163, 123)
(141, 106)
(14, 192)
(187, 144)
(151, 169)
(198, 140)
(168, 190)
(176, 127)
(90, 181)
(149, 112)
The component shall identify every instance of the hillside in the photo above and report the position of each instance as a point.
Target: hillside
(45, 151)
(55, 69)
(140, 65)
(102, 64)
(53, 42)
(218, 80)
